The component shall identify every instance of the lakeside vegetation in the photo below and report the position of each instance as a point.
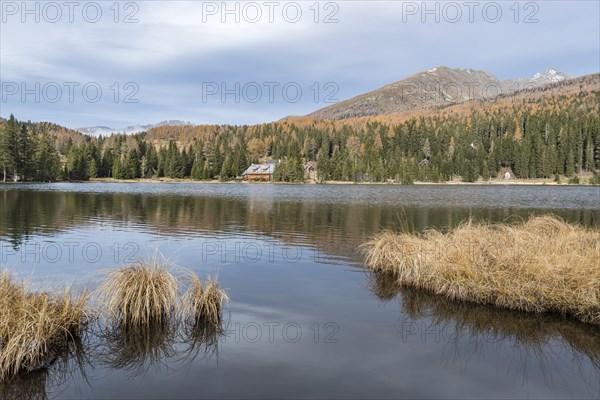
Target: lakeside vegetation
(539, 138)
(542, 265)
(37, 327)
(136, 307)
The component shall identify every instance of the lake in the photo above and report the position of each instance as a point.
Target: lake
(304, 320)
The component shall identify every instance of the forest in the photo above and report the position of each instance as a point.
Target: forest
(552, 136)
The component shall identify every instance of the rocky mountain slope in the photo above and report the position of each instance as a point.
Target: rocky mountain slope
(434, 87)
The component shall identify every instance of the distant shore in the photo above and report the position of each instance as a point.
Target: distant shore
(503, 182)
(584, 181)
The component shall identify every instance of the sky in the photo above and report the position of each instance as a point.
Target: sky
(116, 64)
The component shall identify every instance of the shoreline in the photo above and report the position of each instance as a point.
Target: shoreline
(492, 182)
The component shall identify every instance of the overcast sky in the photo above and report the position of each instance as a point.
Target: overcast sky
(155, 60)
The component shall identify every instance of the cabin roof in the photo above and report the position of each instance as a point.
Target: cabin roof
(260, 169)
(310, 164)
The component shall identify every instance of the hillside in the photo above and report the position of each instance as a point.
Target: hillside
(439, 86)
(572, 86)
(585, 84)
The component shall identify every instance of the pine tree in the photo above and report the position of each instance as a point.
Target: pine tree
(197, 170)
(176, 167)
(9, 146)
(132, 168)
(4, 151)
(47, 160)
(25, 154)
(570, 163)
(116, 169)
(323, 171)
(93, 168)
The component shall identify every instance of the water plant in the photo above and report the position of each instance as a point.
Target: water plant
(36, 327)
(139, 295)
(541, 265)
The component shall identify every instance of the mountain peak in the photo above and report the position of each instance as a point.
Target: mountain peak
(437, 86)
(551, 75)
(129, 130)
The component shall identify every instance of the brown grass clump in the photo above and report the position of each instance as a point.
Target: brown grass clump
(203, 302)
(542, 265)
(36, 327)
(139, 295)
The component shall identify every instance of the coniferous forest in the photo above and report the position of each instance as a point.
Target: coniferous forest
(547, 137)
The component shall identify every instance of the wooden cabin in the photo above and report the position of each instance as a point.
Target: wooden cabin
(260, 172)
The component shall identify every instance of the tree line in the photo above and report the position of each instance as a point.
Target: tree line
(551, 136)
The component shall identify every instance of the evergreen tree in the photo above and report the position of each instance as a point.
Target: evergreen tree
(47, 160)
(10, 148)
(132, 169)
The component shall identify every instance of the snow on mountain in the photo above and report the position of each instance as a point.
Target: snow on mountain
(128, 130)
(539, 79)
(433, 87)
(550, 76)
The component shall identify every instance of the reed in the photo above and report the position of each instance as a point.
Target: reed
(541, 265)
(139, 295)
(203, 302)
(36, 327)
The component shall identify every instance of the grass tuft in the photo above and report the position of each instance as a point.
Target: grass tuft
(141, 306)
(139, 295)
(541, 265)
(203, 302)
(36, 327)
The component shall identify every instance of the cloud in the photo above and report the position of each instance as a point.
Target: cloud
(173, 51)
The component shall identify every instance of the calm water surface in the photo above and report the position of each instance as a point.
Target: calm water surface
(304, 319)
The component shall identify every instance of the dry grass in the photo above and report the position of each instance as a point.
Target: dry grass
(542, 265)
(145, 305)
(142, 309)
(139, 295)
(36, 327)
(203, 302)
(202, 316)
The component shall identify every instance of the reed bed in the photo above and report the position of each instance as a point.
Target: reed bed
(541, 265)
(140, 310)
(150, 292)
(36, 327)
(146, 304)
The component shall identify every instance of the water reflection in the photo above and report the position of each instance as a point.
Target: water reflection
(26, 213)
(469, 329)
(69, 365)
(133, 351)
(136, 350)
(327, 224)
(170, 345)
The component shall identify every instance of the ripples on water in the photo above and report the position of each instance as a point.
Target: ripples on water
(287, 255)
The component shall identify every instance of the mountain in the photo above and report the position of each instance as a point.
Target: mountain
(105, 130)
(537, 80)
(437, 86)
